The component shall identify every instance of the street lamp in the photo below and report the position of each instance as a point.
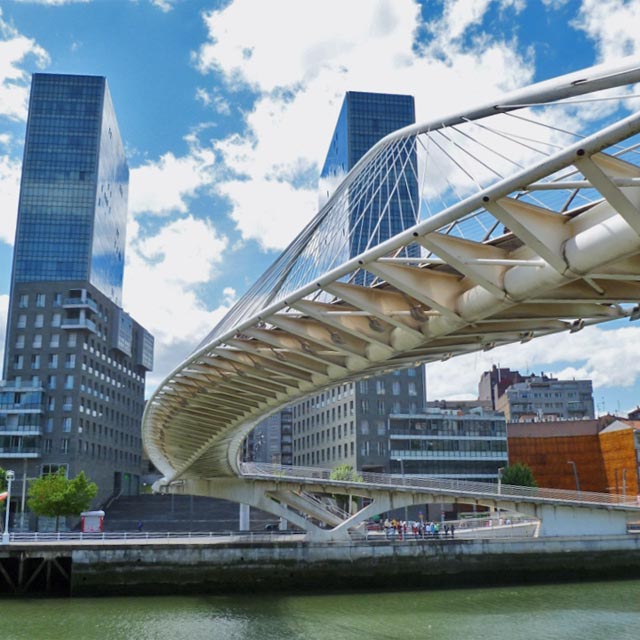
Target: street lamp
(9, 475)
(575, 474)
(500, 472)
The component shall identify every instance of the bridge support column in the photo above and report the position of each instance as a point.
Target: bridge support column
(245, 518)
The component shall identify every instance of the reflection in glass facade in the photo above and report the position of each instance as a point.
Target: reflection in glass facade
(364, 119)
(73, 197)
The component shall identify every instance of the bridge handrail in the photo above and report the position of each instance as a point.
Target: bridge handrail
(454, 487)
(71, 536)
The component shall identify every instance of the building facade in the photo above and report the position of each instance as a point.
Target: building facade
(348, 424)
(271, 441)
(601, 455)
(545, 398)
(468, 444)
(75, 362)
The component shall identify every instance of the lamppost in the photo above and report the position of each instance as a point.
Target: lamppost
(500, 472)
(9, 475)
(575, 474)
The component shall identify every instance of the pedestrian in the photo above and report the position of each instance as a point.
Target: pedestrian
(139, 525)
(452, 528)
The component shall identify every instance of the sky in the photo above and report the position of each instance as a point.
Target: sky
(226, 109)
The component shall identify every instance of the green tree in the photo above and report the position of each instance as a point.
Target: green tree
(54, 495)
(344, 473)
(519, 475)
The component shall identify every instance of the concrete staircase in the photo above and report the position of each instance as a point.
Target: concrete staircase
(179, 513)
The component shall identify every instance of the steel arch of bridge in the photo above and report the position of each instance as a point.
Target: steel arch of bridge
(522, 229)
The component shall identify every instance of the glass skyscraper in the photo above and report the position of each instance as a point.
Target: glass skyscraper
(349, 424)
(75, 361)
(364, 119)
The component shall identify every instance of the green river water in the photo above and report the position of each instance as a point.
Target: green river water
(598, 611)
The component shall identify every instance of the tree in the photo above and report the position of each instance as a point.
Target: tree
(519, 475)
(54, 495)
(344, 473)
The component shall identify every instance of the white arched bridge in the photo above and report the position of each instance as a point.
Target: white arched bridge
(521, 218)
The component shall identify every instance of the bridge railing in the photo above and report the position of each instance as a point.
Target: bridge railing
(439, 485)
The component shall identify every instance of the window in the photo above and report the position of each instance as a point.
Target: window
(52, 403)
(68, 403)
(364, 427)
(39, 322)
(47, 446)
(57, 299)
(51, 382)
(72, 339)
(411, 373)
(68, 382)
(23, 302)
(395, 388)
(66, 425)
(380, 390)
(49, 425)
(70, 361)
(35, 381)
(56, 319)
(20, 341)
(35, 361)
(22, 321)
(18, 362)
(412, 389)
(363, 386)
(381, 428)
(55, 340)
(380, 408)
(37, 341)
(53, 361)
(40, 300)
(64, 445)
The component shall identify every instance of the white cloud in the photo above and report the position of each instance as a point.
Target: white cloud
(16, 49)
(162, 186)
(300, 87)
(9, 190)
(213, 100)
(612, 25)
(609, 357)
(162, 274)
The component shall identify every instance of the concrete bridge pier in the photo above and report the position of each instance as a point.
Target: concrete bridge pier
(574, 520)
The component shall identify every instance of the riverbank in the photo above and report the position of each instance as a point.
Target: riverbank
(205, 566)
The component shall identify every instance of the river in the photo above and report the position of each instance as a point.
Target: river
(584, 611)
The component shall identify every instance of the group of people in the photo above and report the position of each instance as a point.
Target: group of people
(418, 529)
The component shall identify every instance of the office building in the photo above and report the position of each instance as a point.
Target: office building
(75, 361)
(545, 398)
(348, 424)
(468, 444)
(271, 441)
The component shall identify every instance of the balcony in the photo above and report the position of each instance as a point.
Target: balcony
(19, 452)
(80, 303)
(21, 430)
(77, 324)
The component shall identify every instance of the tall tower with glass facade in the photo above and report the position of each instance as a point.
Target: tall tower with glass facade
(349, 424)
(75, 362)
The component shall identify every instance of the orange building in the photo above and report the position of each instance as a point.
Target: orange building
(600, 455)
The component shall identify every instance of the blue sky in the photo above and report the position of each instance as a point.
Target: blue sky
(226, 110)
